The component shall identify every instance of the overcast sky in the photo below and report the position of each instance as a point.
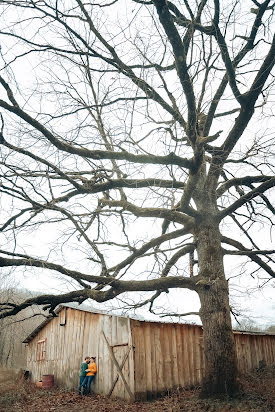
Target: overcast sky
(245, 296)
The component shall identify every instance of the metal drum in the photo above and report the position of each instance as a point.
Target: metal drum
(47, 381)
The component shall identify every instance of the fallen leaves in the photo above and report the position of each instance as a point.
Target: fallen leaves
(258, 395)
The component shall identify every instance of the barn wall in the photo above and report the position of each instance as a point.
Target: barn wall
(158, 356)
(166, 356)
(64, 348)
(254, 351)
(81, 336)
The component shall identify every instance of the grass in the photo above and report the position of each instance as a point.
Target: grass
(257, 395)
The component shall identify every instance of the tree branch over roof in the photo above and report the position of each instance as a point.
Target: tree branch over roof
(116, 287)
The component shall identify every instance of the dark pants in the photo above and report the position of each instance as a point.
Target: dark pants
(81, 383)
(87, 383)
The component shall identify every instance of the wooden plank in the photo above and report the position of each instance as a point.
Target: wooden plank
(196, 355)
(174, 357)
(249, 352)
(159, 360)
(88, 320)
(239, 351)
(272, 343)
(101, 357)
(141, 375)
(114, 331)
(265, 349)
(131, 362)
(168, 360)
(153, 359)
(188, 354)
(265, 338)
(202, 358)
(179, 348)
(123, 330)
(148, 359)
(117, 367)
(75, 340)
(268, 350)
(253, 352)
(272, 355)
(61, 349)
(192, 355)
(107, 363)
(164, 359)
(184, 355)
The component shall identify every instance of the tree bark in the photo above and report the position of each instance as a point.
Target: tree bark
(219, 347)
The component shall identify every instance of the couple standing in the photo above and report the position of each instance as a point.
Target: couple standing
(88, 370)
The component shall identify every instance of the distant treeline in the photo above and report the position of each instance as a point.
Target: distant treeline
(13, 330)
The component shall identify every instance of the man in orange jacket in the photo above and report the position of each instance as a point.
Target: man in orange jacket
(91, 372)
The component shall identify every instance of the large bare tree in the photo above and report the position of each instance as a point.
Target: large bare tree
(128, 141)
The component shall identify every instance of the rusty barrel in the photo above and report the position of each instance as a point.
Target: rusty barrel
(47, 381)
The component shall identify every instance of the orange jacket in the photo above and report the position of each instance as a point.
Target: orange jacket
(92, 369)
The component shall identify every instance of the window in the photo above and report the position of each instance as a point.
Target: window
(41, 349)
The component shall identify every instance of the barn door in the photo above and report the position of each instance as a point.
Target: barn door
(119, 355)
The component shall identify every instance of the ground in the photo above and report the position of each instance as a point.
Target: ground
(257, 395)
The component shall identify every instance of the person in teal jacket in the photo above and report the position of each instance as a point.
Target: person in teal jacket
(82, 374)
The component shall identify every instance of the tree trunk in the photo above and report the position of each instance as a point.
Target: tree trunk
(219, 347)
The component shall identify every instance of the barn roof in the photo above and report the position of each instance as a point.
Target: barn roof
(90, 310)
(57, 311)
(102, 312)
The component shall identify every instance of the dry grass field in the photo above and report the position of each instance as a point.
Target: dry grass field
(17, 395)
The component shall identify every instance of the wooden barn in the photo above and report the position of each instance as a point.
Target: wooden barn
(136, 359)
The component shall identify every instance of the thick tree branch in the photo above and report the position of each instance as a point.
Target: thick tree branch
(228, 63)
(248, 196)
(151, 212)
(242, 181)
(252, 256)
(181, 66)
(250, 99)
(249, 45)
(94, 154)
(173, 260)
(248, 252)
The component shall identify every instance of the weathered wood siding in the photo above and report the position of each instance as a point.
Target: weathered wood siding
(81, 336)
(158, 356)
(166, 356)
(254, 351)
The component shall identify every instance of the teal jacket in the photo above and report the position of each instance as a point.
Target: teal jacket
(83, 368)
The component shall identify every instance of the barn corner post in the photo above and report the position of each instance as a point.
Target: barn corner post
(219, 346)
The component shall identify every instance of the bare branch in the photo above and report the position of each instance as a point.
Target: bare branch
(247, 197)
(252, 256)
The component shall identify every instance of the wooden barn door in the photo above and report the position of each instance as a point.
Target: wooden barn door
(120, 382)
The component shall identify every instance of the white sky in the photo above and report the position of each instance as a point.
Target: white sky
(257, 303)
